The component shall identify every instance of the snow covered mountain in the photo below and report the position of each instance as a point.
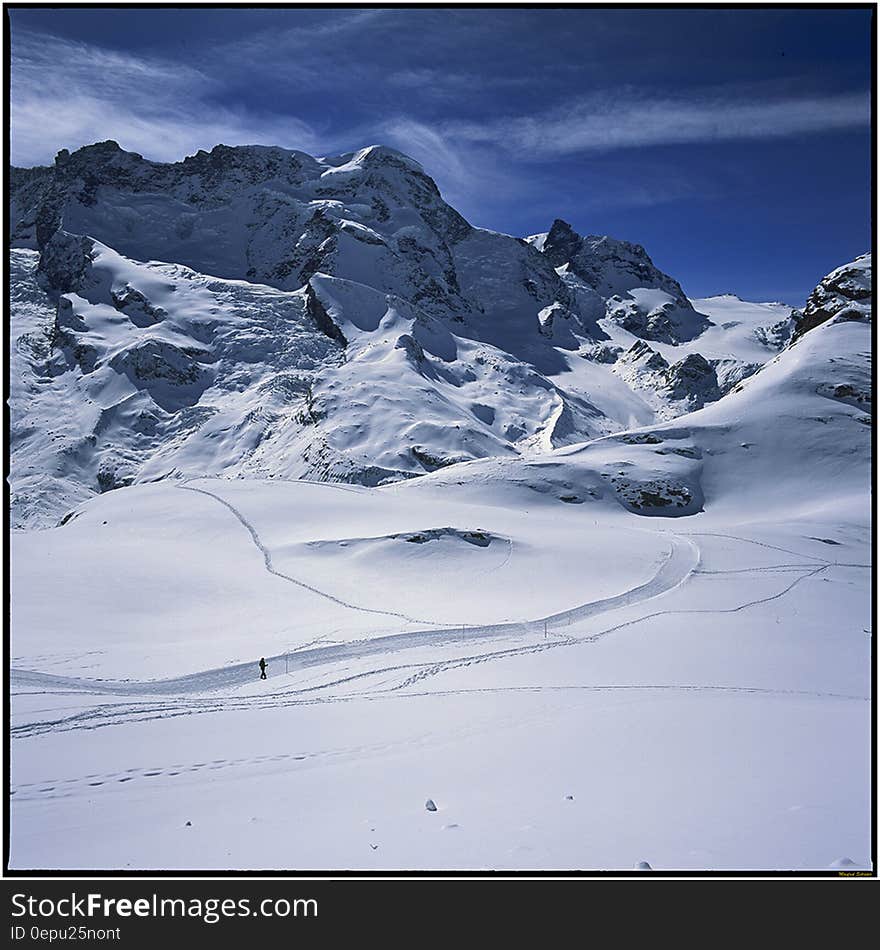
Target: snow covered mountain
(794, 435)
(641, 527)
(620, 277)
(255, 311)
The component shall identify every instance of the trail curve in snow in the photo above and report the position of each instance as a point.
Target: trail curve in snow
(679, 564)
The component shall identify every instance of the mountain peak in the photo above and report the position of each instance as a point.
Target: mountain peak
(383, 153)
(560, 227)
(372, 157)
(638, 295)
(608, 246)
(96, 151)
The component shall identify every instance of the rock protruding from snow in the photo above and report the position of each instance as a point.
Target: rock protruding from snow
(641, 355)
(845, 294)
(694, 380)
(430, 806)
(559, 324)
(638, 296)
(688, 384)
(64, 261)
(610, 266)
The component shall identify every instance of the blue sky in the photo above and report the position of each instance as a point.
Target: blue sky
(733, 144)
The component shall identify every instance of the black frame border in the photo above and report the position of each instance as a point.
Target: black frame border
(347, 874)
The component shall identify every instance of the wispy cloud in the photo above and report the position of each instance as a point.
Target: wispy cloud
(334, 26)
(354, 90)
(333, 53)
(607, 122)
(428, 145)
(67, 93)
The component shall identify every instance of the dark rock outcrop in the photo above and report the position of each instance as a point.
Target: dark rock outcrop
(845, 294)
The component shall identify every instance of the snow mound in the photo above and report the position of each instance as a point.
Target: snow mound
(844, 863)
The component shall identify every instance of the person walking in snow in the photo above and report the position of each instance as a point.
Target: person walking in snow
(263, 665)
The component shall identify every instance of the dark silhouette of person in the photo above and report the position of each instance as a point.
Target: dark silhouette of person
(263, 665)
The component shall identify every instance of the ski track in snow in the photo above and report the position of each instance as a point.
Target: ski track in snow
(53, 788)
(181, 694)
(429, 670)
(678, 566)
(267, 560)
(762, 544)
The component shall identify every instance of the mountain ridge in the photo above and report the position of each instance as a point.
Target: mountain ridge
(257, 312)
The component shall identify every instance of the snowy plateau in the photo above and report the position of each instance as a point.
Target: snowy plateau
(553, 566)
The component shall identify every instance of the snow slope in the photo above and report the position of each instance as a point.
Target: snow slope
(715, 718)
(574, 681)
(149, 371)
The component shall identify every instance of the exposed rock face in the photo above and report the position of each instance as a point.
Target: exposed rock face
(637, 295)
(322, 319)
(845, 294)
(65, 261)
(610, 266)
(688, 384)
(252, 212)
(640, 354)
(693, 379)
(136, 307)
(173, 375)
(27, 190)
(777, 334)
(559, 324)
